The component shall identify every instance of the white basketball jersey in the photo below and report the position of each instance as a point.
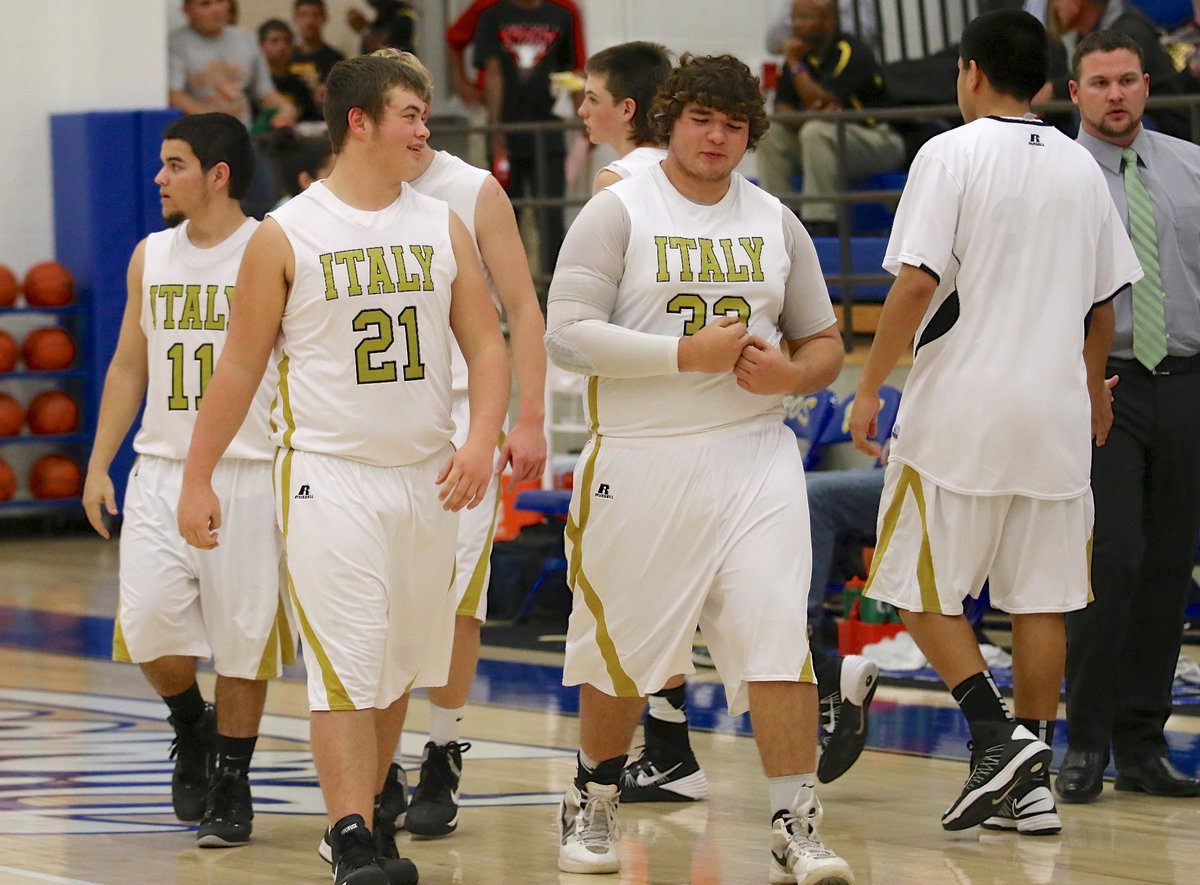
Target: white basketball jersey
(364, 352)
(685, 265)
(456, 182)
(637, 160)
(186, 295)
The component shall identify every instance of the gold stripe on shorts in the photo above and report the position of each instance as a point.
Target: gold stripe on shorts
(475, 587)
(593, 395)
(285, 397)
(807, 673)
(120, 651)
(1091, 538)
(268, 667)
(623, 685)
(335, 692)
(909, 479)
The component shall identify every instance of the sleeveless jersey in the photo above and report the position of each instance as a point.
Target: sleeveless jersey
(686, 264)
(456, 182)
(637, 160)
(186, 295)
(364, 350)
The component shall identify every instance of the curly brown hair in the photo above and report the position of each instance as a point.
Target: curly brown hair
(721, 82)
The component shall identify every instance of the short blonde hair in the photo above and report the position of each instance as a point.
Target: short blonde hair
(414, 64)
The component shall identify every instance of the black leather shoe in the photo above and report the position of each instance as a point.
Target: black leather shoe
(1081, 777)
(1158, 777)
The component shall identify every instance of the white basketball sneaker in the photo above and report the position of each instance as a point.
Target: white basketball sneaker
(797, 855)
(587, 824)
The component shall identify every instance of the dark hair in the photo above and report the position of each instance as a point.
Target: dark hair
(217, 138)
(634, 70)
(1105, 41)
(294, 154)
(364, 82)
(300, 3)
(721, 82)
(1011, 48)
(273, 24)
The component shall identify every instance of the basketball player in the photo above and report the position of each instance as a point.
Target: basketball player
(362, 280)
(673, 292)
(1006, 244)
(178, 604)
(478, 199)
(620, 85)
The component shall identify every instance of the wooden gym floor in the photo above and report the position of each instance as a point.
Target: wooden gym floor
(84, 775)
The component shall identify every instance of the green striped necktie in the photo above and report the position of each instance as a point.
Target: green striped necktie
(1149, 312)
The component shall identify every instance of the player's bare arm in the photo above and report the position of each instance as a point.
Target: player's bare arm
(493, 96)
(604, 178)
(465, 476)
(715, 348)
(500, 245)
(1095, 354)
(124, 387)
(905, 305)
(261, 293)
(815, 362)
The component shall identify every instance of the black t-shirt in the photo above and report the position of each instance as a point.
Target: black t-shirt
(530, 44)
(395, 25)
(296, 89)
(848, 71)
(321, 60)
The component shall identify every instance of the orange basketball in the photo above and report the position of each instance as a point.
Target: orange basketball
(52, 412)
(49, 284)
(55, 476)
(8, 352)
(9, 287)
(8, 481)
(48, 350)
(11, 416)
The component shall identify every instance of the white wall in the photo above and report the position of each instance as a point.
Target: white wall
(59, 56)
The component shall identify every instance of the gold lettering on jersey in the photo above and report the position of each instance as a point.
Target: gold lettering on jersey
(350, 258)
(168, 292)
(405, 282)
(735, 273)
(153, 307)
(214, 320)
(710, 267)
(424, 256)
(327, 272)
(189, 317)
(684, 245)
(381, 277)
(753, 247)
(664, 274)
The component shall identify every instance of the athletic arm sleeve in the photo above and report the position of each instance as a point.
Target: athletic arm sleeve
(581, 336)
(927, 217)
(807, 309)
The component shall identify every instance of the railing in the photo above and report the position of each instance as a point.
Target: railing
(844, 197)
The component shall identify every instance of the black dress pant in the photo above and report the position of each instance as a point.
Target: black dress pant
(1122, 649)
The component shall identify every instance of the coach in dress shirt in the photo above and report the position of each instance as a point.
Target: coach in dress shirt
(1123, 647)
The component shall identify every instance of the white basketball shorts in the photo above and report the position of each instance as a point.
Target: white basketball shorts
(476, 528)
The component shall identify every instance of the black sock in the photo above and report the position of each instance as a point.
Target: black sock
(1042, 729)
(980, 700)
(662, 734)
(187, 706)
(606, 772)
(828, 673)
(234, 753)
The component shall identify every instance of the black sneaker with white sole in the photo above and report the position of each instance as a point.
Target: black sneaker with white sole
(433, 810)
(844, 706)
(1029, 810)
(355, 859)
(194, 750)
(662, 776)
(1005, 757)
(227, 812)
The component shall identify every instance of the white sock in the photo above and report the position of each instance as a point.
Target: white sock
(586, 762)
(445, 723)
(789, 792)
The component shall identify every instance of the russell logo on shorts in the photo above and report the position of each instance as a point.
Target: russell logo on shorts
(304, 492)
(603, 491)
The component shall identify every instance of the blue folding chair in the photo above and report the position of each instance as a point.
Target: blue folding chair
(809, 417)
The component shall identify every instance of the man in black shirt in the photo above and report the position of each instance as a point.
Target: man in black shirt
(825, 69)
(519, 44)
(275, 41)
(313, 58)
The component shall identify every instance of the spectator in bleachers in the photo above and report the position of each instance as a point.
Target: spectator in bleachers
(620, 86)
(313, 58)
(825, 69)
(276, 42)
(1077, 18)
(215, 66)
(857, 17)
(518, 45)
(394, 25)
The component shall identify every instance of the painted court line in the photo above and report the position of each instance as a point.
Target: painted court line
(42, 877)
